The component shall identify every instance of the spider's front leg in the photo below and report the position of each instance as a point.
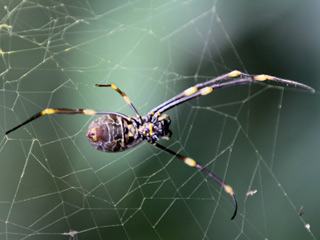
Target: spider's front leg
(124, 96)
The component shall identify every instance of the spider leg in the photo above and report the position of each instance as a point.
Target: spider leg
(192, 163)
(194, 89)
(204, 88)
(125, 97)
(64, 111)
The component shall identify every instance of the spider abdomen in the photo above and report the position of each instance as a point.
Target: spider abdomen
(112, 133)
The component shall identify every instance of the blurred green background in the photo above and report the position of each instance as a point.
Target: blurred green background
(54, 185)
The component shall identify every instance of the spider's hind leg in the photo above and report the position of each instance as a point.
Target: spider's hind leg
(192, 163)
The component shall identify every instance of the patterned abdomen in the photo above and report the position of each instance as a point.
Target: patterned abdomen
(111, 133)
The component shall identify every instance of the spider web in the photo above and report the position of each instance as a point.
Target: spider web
(261, 139)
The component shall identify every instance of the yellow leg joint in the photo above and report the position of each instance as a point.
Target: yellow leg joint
(190, 162)
(127, 99)
(235, 73)
(89, 112)
(206, 90)
(228, 189)
(263, 77)
(48, 111)
(189, 91)
(114, 86)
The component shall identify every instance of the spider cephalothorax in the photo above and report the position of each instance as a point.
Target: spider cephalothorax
(154, 129)
(115, 132)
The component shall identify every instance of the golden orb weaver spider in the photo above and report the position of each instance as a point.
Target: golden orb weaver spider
(115, 132)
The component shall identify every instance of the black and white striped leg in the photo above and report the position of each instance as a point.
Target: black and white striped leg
(192, 163)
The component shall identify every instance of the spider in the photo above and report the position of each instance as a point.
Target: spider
(116, 132)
